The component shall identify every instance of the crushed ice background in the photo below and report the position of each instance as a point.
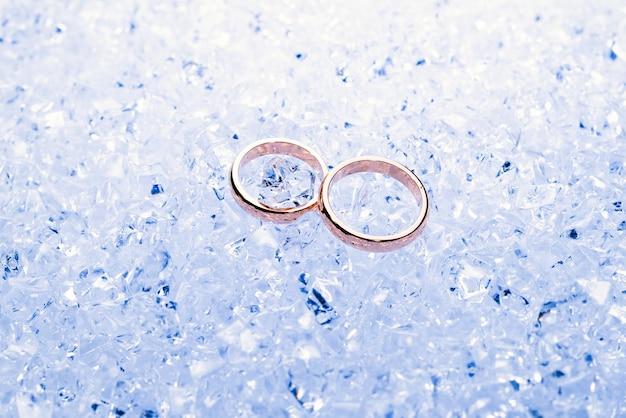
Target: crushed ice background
(132, 284)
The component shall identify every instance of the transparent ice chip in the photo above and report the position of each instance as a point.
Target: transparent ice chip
(279, 181)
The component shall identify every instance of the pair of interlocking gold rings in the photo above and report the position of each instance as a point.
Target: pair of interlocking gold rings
(321, 201)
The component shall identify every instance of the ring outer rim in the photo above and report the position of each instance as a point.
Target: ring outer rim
(366, 242)
(256, 208)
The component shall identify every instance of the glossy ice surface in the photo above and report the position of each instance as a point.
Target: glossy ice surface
(132, 284)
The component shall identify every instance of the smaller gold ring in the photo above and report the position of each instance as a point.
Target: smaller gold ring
(374, 243)
(270, 146)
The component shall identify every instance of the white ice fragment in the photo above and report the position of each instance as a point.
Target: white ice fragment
(548, 106)
(222, 40)
(596, 76)
(530, 197)
(598, 290)
(618, 312)
(201, 368)
(307, 352)
(263, 237)
(536, 111)
(380, 296)
(479, 404)
(470, 280)
(619, 48)
(116, 168)
(352, 334)
(29, 406)
(111, 144)
(456, 121)
(20, 350)
(237, 335)
(305, 321)
(457, 209)
(314, 405)
(20, 149)
(247, 341)
(33, 201)
(231, 333)
(107, 104)
(181, 399)
(612, 118)
(70, 296)
(41, 107)
(68, 250)
(55, 119)
(597, 183)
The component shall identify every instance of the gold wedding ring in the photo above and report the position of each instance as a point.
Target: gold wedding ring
(374, 243)
(282, 146)
(321, 200)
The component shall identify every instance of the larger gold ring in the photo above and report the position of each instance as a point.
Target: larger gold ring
(283, 146)
(375, 243)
